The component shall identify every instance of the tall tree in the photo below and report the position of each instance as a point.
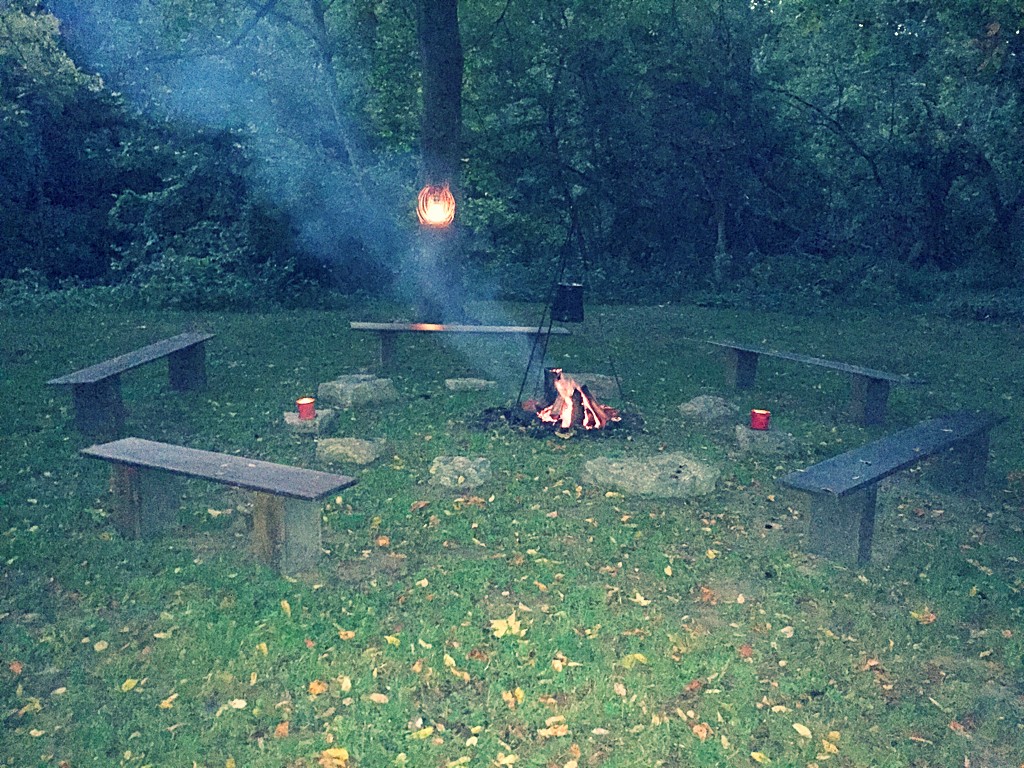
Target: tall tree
(441, 57)
(442, 67)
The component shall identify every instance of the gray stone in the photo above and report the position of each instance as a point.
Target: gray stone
(459, 472)
(318, 425)
(765, 441)
(604, 388)
(469, 385)
(710, 410)
(352, 450)
(356, 390)
(667, 475)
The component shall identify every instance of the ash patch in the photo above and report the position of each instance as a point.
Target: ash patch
(525, 422)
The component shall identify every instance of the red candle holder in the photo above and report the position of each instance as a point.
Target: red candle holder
(307, 408)
(759, 419)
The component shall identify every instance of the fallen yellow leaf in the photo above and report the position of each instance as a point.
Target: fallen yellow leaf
(286, 608)
(335, 757)
(316, 687)
(128, 684)
(346, 634)
(508, 626)
(559, 729)
(378, 698)
(760, 757)
(513, 697)
(392, 640)
(802, 729)
(630, 661)
(422, 733)
(924, 616)
(168, 702)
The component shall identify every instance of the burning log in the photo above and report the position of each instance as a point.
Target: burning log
(572, 404)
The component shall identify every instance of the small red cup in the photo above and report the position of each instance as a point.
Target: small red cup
(307, 408)
(759, 419)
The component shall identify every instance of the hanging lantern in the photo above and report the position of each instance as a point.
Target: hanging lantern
(435, 206)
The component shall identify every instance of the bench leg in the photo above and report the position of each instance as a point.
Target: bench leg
(387, 351)
(99, 411)
(841, 528)
(740, 368)
(962, 467)
(186, 368)
(146, 501)
(286, 533)
(868, 398)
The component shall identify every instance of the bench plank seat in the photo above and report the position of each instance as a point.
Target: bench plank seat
(286, 517)
(238, 471)
(843, 489)
(387, 332)
(455, 328)
(869, 391)
(96, 390)
(127, 362)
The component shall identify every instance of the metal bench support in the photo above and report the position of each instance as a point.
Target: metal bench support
(841, 527)
(146, 501)
(186, 369)
(99, 410)
(740, 368)
(868, 400)
(286, 533)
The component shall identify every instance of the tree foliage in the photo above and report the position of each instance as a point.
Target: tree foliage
(825, 147)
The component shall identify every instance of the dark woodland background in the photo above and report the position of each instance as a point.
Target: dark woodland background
(240, 153)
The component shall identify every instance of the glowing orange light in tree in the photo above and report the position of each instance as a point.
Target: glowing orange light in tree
(435, 206)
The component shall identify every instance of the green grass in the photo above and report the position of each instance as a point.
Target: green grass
(179, 651)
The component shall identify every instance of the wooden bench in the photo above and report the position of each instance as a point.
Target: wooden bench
(96, 390)
(286, 512)
(869, 388)
(388, 331)
(843, 489)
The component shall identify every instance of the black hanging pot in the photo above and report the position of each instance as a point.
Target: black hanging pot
(568, 304)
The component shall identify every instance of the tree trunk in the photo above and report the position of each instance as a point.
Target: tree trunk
(439, 282)
(442, 66)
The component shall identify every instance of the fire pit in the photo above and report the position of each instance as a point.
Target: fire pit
(571, 405)
(569, 408)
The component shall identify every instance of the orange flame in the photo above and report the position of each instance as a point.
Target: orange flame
(435, 206)
(574, 405)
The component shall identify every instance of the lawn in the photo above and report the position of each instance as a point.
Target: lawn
(533, 621)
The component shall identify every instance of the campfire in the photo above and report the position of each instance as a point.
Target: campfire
(572, 405)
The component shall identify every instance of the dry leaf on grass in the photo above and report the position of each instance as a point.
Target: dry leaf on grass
(335, 757)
